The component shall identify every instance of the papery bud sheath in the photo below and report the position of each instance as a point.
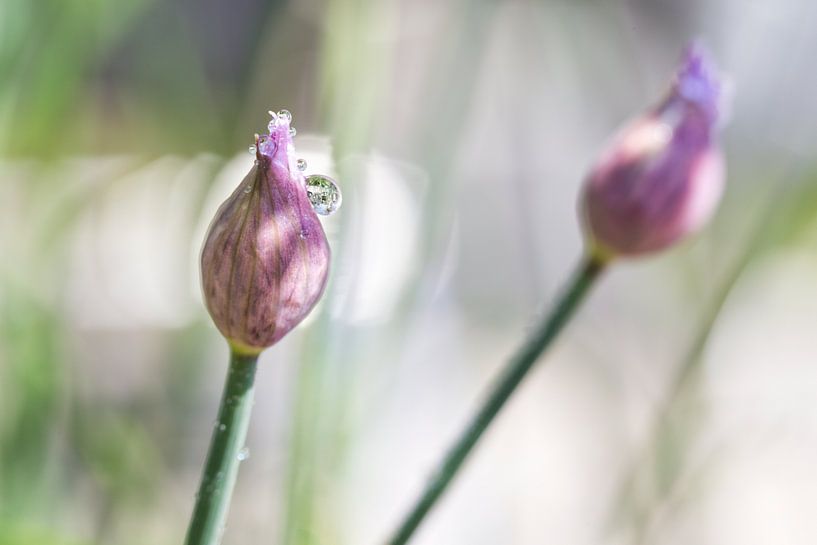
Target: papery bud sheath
(662, 176)
(265, 259)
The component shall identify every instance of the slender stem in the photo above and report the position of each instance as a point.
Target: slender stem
(224, 456)
(505, 385)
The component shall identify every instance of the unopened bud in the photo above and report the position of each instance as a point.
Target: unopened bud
(662, 176)
(265, 260)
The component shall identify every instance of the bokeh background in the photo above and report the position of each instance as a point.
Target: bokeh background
(679, 407)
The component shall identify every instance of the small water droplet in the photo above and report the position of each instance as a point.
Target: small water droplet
(292, 131)
(301, 164)
(222, 427)
(251, 149)
(284, 116)
(303, 234)
(323, 193)
(248, 188)
(243, 454)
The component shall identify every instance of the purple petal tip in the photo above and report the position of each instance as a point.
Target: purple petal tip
(278, 139)
(697, 80)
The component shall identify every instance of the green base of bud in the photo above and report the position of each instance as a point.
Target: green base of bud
(240, 349)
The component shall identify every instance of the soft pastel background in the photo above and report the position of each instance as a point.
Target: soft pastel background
(679, 407)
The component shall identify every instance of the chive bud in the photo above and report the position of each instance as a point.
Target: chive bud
(662, 176)
(265, 259)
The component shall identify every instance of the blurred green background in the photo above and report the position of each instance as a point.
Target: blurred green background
(678, 408)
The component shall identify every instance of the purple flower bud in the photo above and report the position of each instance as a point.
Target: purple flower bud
(265, 259)
(662, 176)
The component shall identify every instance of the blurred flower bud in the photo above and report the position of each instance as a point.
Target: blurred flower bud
(662, 176)
(265, 259)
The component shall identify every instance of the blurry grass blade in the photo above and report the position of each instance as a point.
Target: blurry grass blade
(653, 478)
(42, 83)
(31, 386)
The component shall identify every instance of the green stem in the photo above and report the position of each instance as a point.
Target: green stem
(505, 385)
(224, 456)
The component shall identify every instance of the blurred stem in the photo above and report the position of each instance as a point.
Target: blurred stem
(513, 374)
(223, 458)
(663, 456)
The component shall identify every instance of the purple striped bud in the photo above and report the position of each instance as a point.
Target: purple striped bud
(265, 259)
(662, 176)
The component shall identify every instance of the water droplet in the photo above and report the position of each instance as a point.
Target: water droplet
(251, 149)
(323, 193)
(303, 234)
(222, 427)
(248, 188)
(301, 164)
(284, 116)
(243, 454)
(292, 131)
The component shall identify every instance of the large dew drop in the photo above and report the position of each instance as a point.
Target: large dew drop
(323, 193)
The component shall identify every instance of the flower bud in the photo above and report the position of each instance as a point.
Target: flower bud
(662, 176)
(265, 259)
